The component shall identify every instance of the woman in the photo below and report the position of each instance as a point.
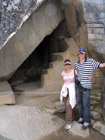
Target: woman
(68, 92)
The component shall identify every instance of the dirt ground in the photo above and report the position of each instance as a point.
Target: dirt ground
(62, 134)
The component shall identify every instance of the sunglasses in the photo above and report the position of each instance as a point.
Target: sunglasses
(66, 64)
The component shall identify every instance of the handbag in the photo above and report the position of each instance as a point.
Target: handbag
(76, 78)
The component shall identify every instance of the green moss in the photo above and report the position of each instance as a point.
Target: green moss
(103, 122)
(96, 92)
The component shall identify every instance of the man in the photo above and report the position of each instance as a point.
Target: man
(85, 67)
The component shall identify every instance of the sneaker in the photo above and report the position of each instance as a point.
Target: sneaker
(68, 126)
(80, 120)
(85, 125)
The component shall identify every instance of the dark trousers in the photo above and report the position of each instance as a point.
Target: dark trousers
(83, 98)
(69, 112)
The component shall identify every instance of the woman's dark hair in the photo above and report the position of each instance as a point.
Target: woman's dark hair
(67, 60)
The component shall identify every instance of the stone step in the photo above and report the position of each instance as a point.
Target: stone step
(35, 89)
(56, 56)
(55, 63)
(53, 74)
(50, 78)
(44, 71)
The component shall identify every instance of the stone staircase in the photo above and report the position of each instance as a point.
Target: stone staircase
(51, 80)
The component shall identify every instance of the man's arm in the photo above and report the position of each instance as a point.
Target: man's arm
(102, 65)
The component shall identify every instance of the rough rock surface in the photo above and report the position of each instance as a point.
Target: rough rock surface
(99, 127)
(77, 130)
(26, 123)
(11, 14)
(4, 138)
(95, 115)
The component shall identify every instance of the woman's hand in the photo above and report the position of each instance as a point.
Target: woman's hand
(90, 78)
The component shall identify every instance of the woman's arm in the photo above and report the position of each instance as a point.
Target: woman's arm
(61, 97)
(90, 78)
(62, 81)
(76, 72)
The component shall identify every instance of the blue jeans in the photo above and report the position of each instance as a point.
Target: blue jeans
(83, 98)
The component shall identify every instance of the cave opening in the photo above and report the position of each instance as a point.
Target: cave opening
(37, 63)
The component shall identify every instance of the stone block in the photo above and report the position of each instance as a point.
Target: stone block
(99, 127)
(76, 130)
(6, 94)
(100, 81)
(95, 115)
(96, 86)
(94, 80)
(96, 31)
(83, 29)
(95, 25)
(92, 37)
(98, 74)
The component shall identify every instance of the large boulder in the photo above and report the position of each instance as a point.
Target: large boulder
(40, 24)
(27, 123)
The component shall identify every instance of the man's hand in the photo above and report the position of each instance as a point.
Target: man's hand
(102, 65)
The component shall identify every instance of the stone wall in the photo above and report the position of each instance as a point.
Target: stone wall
(98, 79)
(94, 15)
(96, 35)
(103, 101)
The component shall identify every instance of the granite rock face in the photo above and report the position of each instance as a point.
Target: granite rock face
(92, 10)
(11, 14)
